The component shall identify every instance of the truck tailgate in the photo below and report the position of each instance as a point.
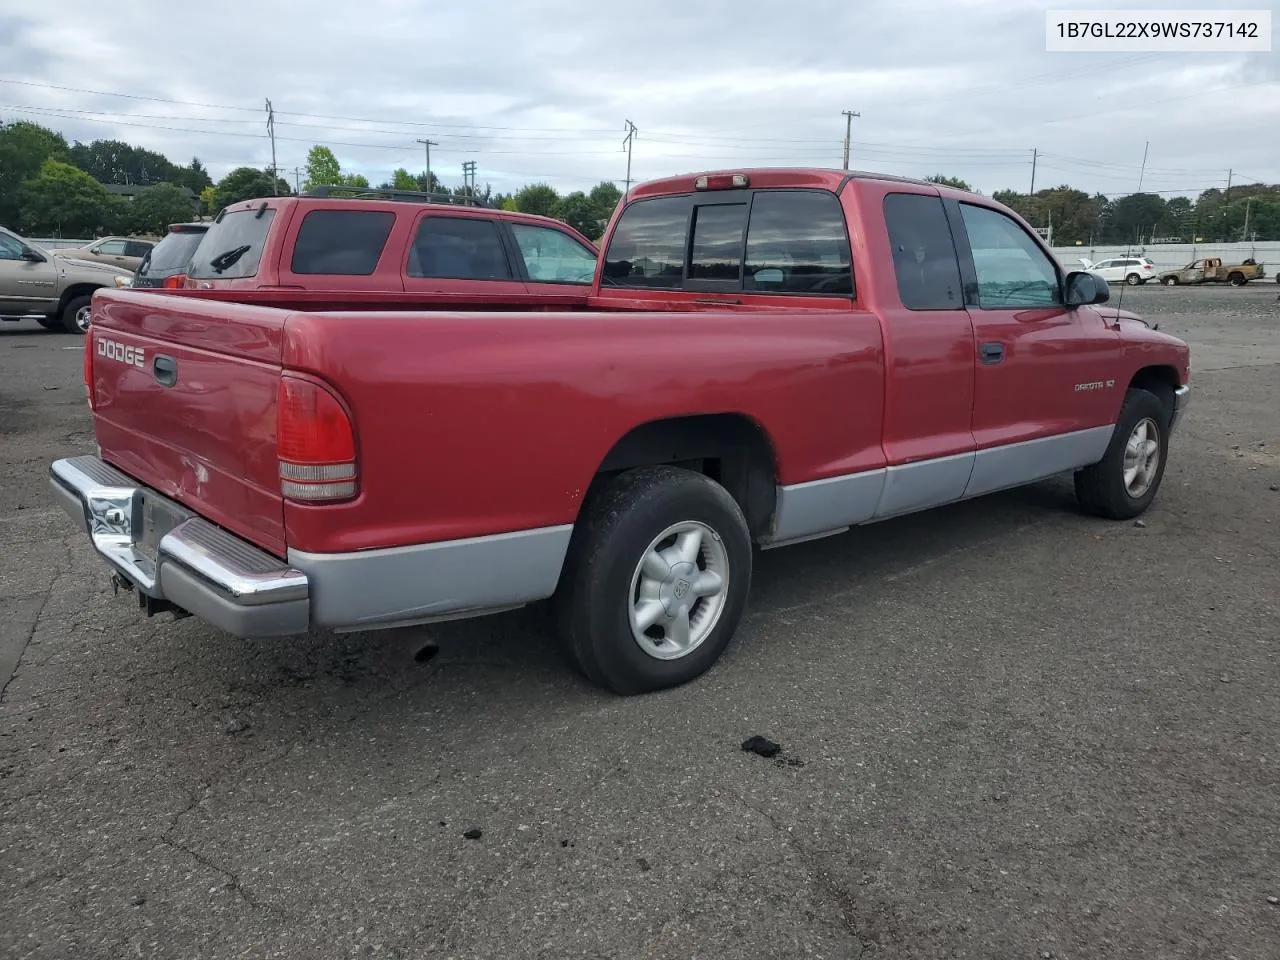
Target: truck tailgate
(184, 395)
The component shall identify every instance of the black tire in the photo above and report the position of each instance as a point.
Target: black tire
(71, 310)
(1170, 281)
(1237, 280)
(592, 606)
(49, 323)
(1101, 488)
(1133, 280)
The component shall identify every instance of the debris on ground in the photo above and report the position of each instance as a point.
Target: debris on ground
(473, 834)
(235, 725)
(761, 745)
(1274, 901)
(644, 864)
(138, 901)
(1139, 523)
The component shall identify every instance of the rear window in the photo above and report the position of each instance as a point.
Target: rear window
(343, 242)
(233, 246)
(648, 244)
(794, 242)
(172, 254)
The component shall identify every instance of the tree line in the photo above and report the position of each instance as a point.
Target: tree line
(51, 187)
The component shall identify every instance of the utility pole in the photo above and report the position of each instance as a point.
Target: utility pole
(1247, 203)
(271, 132)
(1143, 172)
(848, 132)
(1035, 155)
(1230, 173)
(626, 142)
(297, 179)
(469, 177)
(429, 144)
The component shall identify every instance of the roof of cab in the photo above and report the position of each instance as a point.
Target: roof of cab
(819, 178)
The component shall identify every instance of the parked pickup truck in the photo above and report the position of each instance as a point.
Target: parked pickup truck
(55, 290)
(767, 357)
(1212, 270)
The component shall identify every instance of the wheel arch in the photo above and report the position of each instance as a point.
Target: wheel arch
(74, 291)
(1159, 379)
(731, 448)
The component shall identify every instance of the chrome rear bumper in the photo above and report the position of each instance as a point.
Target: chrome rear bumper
(167, 553)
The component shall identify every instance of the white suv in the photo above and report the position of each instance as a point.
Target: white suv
(1131, 270)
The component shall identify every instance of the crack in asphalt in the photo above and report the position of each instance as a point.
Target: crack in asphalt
(35, 621)
(819, 879)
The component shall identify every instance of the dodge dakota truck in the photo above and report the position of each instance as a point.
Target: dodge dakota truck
(766, 357)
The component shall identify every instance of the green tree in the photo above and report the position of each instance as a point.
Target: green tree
(539, 198)
(207, 200)
(24, 147)
(577, 210)
(945, 181)
(194, 176)
(402, 179)
(322, 168)
(1138, 215)
(156, 207)
(65, 201)
(353, 180)
(604, 200)
(114, 161)
(246, 183)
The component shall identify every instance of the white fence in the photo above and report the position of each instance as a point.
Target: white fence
(1171, 256)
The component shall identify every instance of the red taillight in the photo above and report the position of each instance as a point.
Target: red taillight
(87, 367)
(174, 282)
(315, 443)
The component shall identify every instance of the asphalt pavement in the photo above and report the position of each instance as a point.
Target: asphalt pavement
(1008, 731)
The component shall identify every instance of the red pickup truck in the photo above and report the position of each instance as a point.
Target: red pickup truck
(766, 357)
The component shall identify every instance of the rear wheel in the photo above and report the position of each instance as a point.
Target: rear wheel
(1237, 280)
(49, 323)
(1170, 281)
(656, 580)
(75, 315)
(1123, 483)
(1133, 279)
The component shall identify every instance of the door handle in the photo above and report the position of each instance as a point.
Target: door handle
(165, 370)
(991, 352)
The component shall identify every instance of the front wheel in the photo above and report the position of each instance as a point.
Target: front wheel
(75, 315)
(1123, 483)
(656, 580)
(1133, 279)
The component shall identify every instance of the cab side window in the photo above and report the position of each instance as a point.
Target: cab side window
(1013, 272)
(458, 248)
(924, 255)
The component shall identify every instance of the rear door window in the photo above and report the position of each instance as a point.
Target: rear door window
(552, 256)
(345, 243)
(458, 248)
(232, 248)
(924, 255)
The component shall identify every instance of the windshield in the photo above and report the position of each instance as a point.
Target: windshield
(233, 246)
(172, 254)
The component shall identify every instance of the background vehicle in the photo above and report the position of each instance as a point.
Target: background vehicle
(55, 290)
(1212, 270)
(389, 248)
(123, 252)
(768, 357)
(165, 264)
(1131, 270)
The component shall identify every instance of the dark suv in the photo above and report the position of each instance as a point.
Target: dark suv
(165, 264)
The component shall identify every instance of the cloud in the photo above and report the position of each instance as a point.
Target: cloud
(541, 90)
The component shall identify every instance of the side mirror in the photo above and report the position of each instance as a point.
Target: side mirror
(31, 256)
(1084, 287)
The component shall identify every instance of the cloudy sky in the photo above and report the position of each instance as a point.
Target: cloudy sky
(541, 89)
